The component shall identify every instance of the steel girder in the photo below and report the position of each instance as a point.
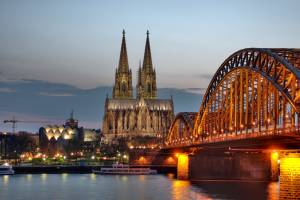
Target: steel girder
(183, 122)
(279, 66)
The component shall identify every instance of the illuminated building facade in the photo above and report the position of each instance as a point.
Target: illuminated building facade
(67, 137)
(140, 116)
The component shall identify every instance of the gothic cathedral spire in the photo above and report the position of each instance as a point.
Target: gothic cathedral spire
(146, 86)
(123, 77)
(147, 64)
(123, 61)
(145, 115)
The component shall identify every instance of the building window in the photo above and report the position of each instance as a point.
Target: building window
(123, 87)
(149, 87)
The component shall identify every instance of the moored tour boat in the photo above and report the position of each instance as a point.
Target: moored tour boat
(6, 169)
(121, 169)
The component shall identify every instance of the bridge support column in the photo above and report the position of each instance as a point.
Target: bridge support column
(230, 165)
(274, 166)
(183, 167)
(289, 175)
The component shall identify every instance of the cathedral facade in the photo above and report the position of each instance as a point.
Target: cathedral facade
(144, 115)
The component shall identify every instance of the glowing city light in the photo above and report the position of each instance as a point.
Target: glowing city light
(275, 155)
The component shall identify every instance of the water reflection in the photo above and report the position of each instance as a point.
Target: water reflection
(171, 176)
(183, 190)
(44, 178)
(5, 180)
(64, 177)
(124, 178)
(142, 178)
(29, 177)
(237, 190)
(93, 186)
(93, 177)
(273, 191)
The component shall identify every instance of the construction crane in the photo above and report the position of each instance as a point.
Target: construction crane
(14, 121)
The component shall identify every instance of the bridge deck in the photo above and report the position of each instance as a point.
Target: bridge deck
(282, 140)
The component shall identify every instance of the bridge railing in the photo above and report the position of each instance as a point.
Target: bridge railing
(288, 131)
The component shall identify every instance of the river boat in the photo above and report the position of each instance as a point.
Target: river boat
(121, 169)
(6, 169)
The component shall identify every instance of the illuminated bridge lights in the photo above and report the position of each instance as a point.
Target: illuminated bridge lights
(254, 93)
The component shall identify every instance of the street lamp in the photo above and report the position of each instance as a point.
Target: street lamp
(125, 158)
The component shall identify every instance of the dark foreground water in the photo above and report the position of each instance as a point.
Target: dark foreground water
(91, 186)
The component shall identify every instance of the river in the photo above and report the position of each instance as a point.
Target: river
(156, 187)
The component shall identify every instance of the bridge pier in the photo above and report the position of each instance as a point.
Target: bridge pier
(232, 165)
(183, 167)
(289, 175)
(274, 166)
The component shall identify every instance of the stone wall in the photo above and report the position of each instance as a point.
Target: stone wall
(290, 175)
(230, 166)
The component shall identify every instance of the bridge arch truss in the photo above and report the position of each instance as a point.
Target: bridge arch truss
(182, 127)
(254, 92)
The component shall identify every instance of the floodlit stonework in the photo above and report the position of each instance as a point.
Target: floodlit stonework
(143, 115)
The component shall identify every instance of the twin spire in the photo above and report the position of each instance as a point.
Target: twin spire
(123, 62)
(146, 83)
(147, 64)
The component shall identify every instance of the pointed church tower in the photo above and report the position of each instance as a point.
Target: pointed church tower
(139, 81)
(147, 88)
(123, 77)
(147, 64)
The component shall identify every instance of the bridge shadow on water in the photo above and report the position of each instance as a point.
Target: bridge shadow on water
(211, 189)
(223, 189)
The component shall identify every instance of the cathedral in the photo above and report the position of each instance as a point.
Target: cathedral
(144, 115)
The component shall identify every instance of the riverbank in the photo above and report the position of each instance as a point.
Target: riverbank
(57, 169)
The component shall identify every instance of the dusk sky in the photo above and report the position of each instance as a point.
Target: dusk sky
(78, 42)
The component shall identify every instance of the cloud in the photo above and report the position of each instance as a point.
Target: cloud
(56, 94)
(195, 90)
(7, 90)
(12, 80)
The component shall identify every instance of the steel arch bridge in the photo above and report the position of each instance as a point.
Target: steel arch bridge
(254, 93)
